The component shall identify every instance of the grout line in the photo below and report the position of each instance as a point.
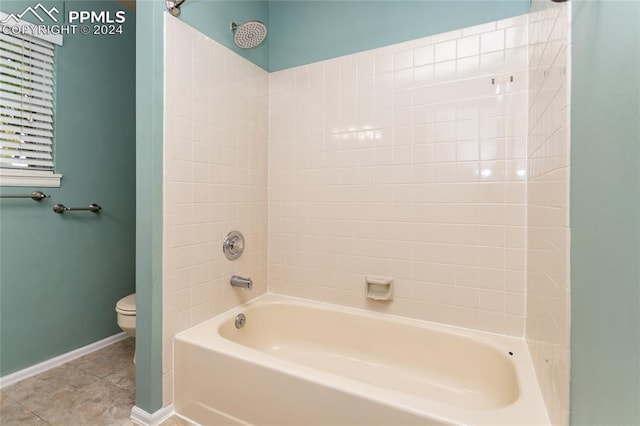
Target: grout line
(6, 395)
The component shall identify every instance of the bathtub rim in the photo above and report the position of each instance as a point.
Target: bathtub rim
(529, 401)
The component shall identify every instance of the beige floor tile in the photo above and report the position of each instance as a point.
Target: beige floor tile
(98, 404)
(95, 390)
(39, 390)
(124, 378)
(176, 421)
(107, 361)
(12, 413)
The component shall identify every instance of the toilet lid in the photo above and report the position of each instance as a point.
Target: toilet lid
(127, 304)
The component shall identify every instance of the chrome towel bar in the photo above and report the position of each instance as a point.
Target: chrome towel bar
(35, 195)
(60, 208)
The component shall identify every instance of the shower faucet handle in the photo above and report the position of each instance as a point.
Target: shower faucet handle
(233, 245)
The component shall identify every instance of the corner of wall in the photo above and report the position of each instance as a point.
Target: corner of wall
(149, 131)
(548, 236)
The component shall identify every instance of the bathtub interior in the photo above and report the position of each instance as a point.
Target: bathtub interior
(390, 353)
(303, 366)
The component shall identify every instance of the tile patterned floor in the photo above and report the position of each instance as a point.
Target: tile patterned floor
(97, 389)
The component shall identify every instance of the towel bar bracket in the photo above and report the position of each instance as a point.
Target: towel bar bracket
(35, 196)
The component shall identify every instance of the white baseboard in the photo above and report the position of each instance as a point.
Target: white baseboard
(12, 378)
(141, 417)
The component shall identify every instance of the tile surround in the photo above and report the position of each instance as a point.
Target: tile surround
(406, 161)
(548, 287)
(215, 180)
(425, 161)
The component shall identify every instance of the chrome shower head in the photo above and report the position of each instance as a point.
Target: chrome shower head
(248, 35)
(173, 6)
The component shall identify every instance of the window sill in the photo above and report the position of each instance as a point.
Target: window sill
(29, 178)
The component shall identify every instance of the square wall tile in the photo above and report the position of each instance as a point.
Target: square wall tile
(429, 162)
(206, 138)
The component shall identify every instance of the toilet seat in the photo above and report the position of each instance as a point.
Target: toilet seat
(127, 305)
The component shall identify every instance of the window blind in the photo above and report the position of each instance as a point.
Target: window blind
(26, 103)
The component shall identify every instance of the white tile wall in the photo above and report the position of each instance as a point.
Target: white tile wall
(548, 288)
(406, 161)
(215, 180)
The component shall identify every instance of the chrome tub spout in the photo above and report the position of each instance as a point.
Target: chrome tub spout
(238, 281)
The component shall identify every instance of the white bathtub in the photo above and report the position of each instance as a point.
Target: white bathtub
(297, 362)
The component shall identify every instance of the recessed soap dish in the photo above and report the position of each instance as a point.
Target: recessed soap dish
(379, 288)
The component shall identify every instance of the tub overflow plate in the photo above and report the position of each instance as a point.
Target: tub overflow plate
(241, 319)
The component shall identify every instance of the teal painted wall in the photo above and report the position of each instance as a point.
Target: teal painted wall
(61, 275)
(149, 144)
(213, 18)
(605, 213)
(303, 32)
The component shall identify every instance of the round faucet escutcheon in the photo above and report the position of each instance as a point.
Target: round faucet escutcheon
(241, 319)
(233, 245)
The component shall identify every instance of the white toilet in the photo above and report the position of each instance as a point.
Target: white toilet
(126, 309)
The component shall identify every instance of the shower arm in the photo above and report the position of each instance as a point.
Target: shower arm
(173, 6)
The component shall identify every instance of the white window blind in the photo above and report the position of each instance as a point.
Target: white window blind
(26, 103)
